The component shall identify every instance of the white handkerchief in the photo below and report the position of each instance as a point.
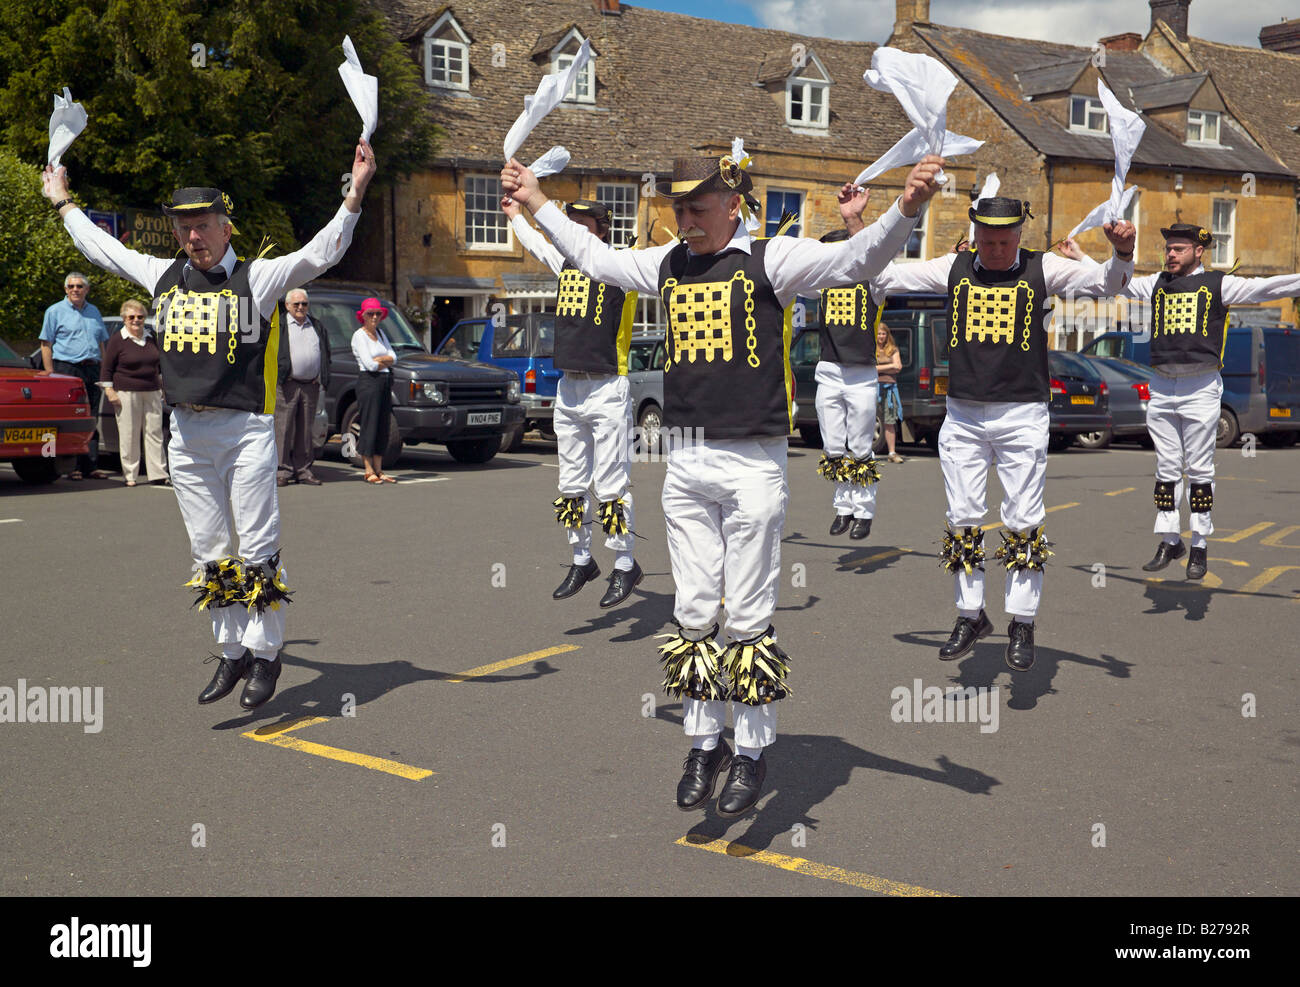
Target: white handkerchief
(552, 162)
(912, 148)
(1126, 130)
(66, 122)
(362, 88)
(550, 93)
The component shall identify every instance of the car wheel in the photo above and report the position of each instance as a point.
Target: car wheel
(1228, 432)
(36, 470)
(1095, 440)
(474, 451)
(513, 440)
(351, 431)
(811, 435)
(651, 424)
(878, 443)
(1058, 442)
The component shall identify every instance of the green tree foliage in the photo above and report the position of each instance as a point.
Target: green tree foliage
(36, 254)
(243, 95)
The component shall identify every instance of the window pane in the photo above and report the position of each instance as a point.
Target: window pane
(1212, 127)
(622, 202)
(779, 203)
(816, 110)
(1078, 109)
(485, 223)
(796, 102)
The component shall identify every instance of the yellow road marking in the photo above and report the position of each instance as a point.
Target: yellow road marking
(1116, 493)
(1275, 539)
(1245, 533)
(1266, 577)
(277, 735)
(1058, 507)
(868, 882)
(498, 666)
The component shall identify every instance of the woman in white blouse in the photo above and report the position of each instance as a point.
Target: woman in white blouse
(375, 359)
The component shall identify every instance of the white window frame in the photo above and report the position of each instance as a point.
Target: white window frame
(1221, 251)
(923, 250)
(461, 46)
(803, 207)
(497, 246)
(1201, 119)
(524, 302)
(642, 322)
(806, 88)
(586, 79)
(622, 200)
(1092, 108)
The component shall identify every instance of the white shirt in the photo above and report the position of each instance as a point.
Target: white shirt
(1060, 275)
(304, 349)
(537, 245)
(366, 349)
(268, 279)
(138, 340)
(794, 265)
(1236, 291)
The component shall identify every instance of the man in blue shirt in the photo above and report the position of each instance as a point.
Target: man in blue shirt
(72, 342)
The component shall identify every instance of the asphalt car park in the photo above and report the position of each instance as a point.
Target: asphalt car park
(443, 726)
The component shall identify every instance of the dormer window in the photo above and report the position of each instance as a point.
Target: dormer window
(1202, 127)
(583, 89)
(807, 95)
(446, 54)
(1088, 114)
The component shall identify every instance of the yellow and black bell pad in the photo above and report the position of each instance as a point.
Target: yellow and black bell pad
(569, 511)
(963, 551)
(1201, 498)
(219, 584)
(859, 472)
(1024, 549)
(829, 467)
(757, 669)
(692, 664)
(264, 585)
(612, 515)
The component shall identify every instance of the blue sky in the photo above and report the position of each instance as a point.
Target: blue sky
(1064, 21)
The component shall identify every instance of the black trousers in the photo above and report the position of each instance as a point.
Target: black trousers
(374, 405)
(88, 371)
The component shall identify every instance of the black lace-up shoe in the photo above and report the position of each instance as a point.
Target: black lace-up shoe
(1165, 553)
(620, 585)
(861, 528)
(228, 673)
(701, 775)
(1196, 564)
(744, 785)
(578, 577)
(965, 633)
(841, 523)
(261, 683)
(1020, 649)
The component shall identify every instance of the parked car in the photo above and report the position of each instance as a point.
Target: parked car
(1130, 392)
(645, 379)
(32, 408)
(523, 344)
(916, 321)
(1245, 404)
(1080, 399)
(1282, 386)
(466, 405)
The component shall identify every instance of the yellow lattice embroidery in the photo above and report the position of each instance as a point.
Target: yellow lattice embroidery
(840, 303)
(1177, 311)
(574, 290)
(701, 319)
(193, 319)
(991, 313)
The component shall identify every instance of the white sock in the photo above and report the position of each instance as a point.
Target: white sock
(1172, 538)
(968, 614)
(1198, 541)
(708, 742)
(753, 753)
(623, 562)
(271, 656)
(580, 557)
(231, 652)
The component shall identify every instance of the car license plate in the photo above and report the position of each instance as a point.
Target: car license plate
(1081, 399)
(38, 434)
(484, 418)
(1279, 412)
(940, 385)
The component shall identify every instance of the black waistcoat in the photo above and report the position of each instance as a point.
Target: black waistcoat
(727, 372)
(1188, 319)
(997, 346)
(211, 353)
(593, 324)
(849, 318)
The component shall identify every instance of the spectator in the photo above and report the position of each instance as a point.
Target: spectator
(133, 386)
(375, 359)
(309, 375)
(889, 361)
(72, 342)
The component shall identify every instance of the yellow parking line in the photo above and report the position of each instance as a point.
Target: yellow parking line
(1116, 493)
(1245, 533)
(498, 666)
(1266, 577)
(277, 735)
(868, 882)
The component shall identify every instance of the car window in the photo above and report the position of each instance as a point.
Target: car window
(523, 336)
(1125, 369)
(9, 358)
(463, 341)
(1108, 346)
(807, 349)
(340, 321)
(639, 357)
(903, 340)
(1064, 363)
(1236, 353)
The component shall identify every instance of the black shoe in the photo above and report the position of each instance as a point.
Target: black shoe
(744, 785)
(620, 585)
(578, 577)
(861, 528)
(965, 633)
(1165, 553)
(841, 523)
(228, 673)
(261, 683)
(1196, 566)
(701, 775)
(1020, 649)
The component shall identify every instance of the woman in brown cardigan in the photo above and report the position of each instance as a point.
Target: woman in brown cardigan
(134, 389)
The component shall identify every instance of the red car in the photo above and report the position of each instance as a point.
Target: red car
(35, 409)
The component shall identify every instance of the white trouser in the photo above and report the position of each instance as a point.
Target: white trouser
(1183, 419)
(846, 415)
(593, 437)
(141, 409)
(223, 465)
(1013, 434)
(724, 506)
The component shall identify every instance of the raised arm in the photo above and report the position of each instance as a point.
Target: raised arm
(1064, 276)
(1243, 291)
(532, 241)
(929, 276)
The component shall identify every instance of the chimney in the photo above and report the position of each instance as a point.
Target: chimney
(909, 12)
(607, 7)
(1130, 41)
(1281, 37)
(1173, 13)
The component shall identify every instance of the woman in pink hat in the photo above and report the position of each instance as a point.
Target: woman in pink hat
(375, 358)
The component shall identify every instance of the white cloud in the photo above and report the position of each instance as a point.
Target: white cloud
(1079, 22)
